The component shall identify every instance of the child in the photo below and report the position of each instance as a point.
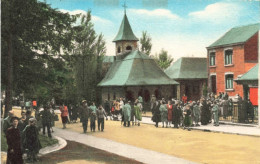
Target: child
(93, 116)
(31, 140)
(101, 114)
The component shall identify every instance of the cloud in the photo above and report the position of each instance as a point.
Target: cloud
(95, 19)
(158, 13)
(218, 13)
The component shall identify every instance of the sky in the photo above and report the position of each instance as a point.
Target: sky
(184, 28)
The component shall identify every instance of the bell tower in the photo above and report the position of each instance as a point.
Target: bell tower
(125, 39)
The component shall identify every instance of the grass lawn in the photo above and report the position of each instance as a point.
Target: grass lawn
(45, 141)
(75, 153)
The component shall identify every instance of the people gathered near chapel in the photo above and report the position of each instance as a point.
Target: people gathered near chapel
(169, 113)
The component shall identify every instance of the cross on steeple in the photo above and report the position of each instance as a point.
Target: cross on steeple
(124, 7)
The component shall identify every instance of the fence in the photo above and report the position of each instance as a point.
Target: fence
(235, 116)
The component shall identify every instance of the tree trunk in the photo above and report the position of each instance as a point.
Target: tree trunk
(9, 87)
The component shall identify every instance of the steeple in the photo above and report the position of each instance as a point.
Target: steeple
(125, 39)
(125, 31)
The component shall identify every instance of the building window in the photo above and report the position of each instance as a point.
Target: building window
(118, 49)
(228, 57)
(212, 59)
(129, 48)
(229, 81)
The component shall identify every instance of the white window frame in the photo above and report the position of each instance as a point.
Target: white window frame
(232, 62)
(226, 74)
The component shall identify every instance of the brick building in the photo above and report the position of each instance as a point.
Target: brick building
(231, 56)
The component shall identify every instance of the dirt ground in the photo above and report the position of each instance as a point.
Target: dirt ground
(197, 146)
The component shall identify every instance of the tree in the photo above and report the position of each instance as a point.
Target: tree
(88, 57)
(163, 59)
(29, 38)
(145, 42)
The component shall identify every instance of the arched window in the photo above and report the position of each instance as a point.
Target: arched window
(129, 48)
(118, 49)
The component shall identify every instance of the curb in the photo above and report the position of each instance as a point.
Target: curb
(49, 149)
(215, 131)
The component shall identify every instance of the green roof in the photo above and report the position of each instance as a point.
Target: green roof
(125, 31)
(108, 59)
(188, 68)
(135, 69)
(237, 35)
(252, 74)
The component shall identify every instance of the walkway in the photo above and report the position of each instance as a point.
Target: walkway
(128, 151)
(224, 128)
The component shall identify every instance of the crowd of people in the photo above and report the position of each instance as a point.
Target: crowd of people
(22, 133)
(184, 113)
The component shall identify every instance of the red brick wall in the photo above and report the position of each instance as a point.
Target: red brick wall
(251, 49)
(237, 68)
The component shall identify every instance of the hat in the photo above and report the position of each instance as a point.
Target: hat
(84, 101)
(11, 112)
(14, 118)
(32, 120)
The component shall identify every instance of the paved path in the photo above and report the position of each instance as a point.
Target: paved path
(129, 151)
(224, 128)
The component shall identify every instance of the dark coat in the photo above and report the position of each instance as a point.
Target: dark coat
(46, 116)
(156, 113)
(14, 143)
(176, 114)
(84, 113)
(204, 113)
(31, 139)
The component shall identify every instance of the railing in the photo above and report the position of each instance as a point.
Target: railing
(234, 115)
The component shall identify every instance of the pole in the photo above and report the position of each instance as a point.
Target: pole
(258, 79)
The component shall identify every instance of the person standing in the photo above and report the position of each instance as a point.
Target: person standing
(28, 105)
(184, 99)
(31, 140)
(64, 115)
(93, 116)
(169, 109)
(34, 104)
(156, 113)
(7, 121)
(84, 115)
(101, 114)
(164, 114)
(107, 107)
(187, 117)
(127, 113)
(138, 112)
(22, 105)
(175, 115)
(204, 112)
(215, 110)
(196, 113)
(13, 139)
(46, 118)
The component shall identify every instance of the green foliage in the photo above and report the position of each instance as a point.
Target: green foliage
(88, 57)
(163, 59)
(38, 34)
(145, 42)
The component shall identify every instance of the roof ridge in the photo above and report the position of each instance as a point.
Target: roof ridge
(245, 25)
(249, 70)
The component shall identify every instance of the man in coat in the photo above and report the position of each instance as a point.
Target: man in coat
(156, 113)
(127, 113)
(31, 140)
(13, 138)
(196, 113)
(46, 118)
(7, 121)
(215, 110)
(84, 115)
